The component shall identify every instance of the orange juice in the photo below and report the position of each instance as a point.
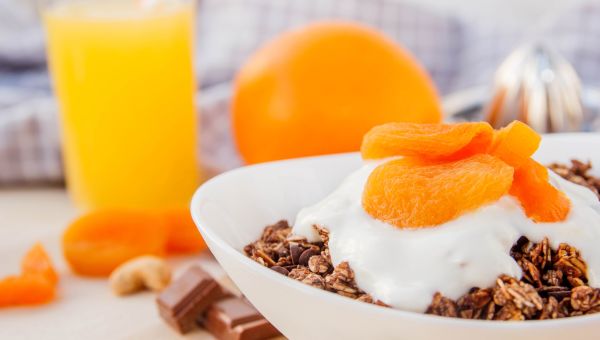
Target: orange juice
(123, 75)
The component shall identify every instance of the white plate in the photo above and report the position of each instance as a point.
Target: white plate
(232, 209)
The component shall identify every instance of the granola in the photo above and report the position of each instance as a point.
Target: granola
(578, 173)
(306, 262)
(553, 284)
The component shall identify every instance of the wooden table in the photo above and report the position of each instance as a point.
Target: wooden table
(85, 308)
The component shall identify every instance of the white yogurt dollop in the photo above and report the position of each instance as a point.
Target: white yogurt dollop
(405, 267)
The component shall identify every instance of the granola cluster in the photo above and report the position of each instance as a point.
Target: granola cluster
(554, 285)
(554, 282)
(578, 173)
(307, 262)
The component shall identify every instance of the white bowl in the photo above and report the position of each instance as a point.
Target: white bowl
(232, 209)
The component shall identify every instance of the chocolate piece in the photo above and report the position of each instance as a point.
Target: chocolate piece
(283, 252)
(280, 270)
(187, 297)
(305, 256)
(295, 251)
(236, 319)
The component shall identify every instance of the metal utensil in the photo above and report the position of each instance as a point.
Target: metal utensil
(537, 86)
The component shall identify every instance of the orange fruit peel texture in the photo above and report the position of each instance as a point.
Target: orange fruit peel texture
(35, 285)
(451, 169)
(429, 141)
(98, 242)
(327, 81)
(408, 195)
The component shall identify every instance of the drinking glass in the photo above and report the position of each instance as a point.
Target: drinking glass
(123, 75)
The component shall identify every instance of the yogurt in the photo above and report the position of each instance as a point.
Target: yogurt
(405, 267)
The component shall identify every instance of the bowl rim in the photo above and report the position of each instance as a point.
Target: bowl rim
(329, 297)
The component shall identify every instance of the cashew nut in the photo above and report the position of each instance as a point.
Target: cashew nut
(140, 273)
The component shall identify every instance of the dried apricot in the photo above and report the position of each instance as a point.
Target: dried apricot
(98, 242)
(409, 193)
(515, 143)
(37, 261)
(183, 236)
(26, 289)
(35, 285)
(541, 201)
(431, 141)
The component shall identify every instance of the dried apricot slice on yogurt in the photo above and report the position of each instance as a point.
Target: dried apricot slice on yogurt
(541, 201)
(515, 143)
(430, 141)
(98, 242)
(412, 193)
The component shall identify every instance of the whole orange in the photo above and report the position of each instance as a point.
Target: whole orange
(318, 89)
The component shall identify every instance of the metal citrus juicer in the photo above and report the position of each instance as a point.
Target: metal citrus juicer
(539, 87)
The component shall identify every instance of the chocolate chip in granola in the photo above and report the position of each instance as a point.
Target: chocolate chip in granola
(295, 252)
(283, 251)
(306, 255)
(280, 270)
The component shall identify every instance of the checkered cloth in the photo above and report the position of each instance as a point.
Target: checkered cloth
(456, 53)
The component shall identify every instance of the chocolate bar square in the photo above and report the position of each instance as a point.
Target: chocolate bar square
(187, 297)
(235, 318)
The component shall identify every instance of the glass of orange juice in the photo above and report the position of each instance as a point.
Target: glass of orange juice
(123, 74)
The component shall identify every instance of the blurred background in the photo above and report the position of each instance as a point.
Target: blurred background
(459, 42)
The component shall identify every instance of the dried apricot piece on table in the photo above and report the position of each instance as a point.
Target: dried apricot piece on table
(515, 143)
(37, 261)
(409, 193)
(98, 242)
(25, 289)
(184, 236)
(541, 201)
(431, 141)
(35, 285)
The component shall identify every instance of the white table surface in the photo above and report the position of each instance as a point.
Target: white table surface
(85, 308)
